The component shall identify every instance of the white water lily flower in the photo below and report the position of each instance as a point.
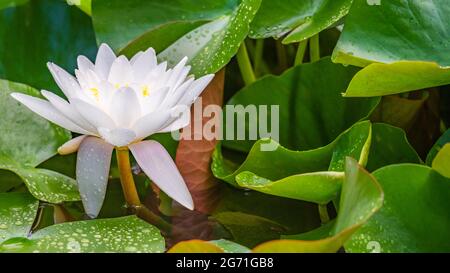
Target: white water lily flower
(118, 102)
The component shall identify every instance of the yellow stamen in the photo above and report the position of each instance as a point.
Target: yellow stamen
(94, 92)
(145, 91)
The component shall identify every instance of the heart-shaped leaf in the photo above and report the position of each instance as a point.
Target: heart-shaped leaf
(312, 110)
(212, 45)
(299, 19)
(155, 23)
(403, 44)
(361, 197)
(414, 217)
(42, 31)
(281, 162)
(28, 140)
(125, 234)
(17, 213)
(217, 246)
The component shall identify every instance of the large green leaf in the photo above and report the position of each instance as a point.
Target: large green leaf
(282, 162)
(415, 214)
(17, 213)
(26, 141)
(212, 45)
(42, 31)
(300, 19)
(312, 110)
(404, 43)
(361, 197)
(145, 19)
(318, 187)
(126, 234)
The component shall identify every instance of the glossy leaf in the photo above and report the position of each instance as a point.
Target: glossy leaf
(212, 45)
(147, 20)
(299, 19)
(318, 187)
(38, 32)
(27, 141)
(17, 213)
(282, 162)
(412, 54)
(361, 197)
(312, 110)
(47, 185)
(126, 234)
(414, 217)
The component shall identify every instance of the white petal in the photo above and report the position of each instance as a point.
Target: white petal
(178, 71)
(121, 72)
(93, 114)
(93, 163)
(84, 63)
(117, 137)
(104, 60)
(144, 64)
(175, 96)
(182, 121)
(71, 146)
(66, 82)
(47, 111)
(68, 110)
(151, 123)
(157, 164)
(136, 57)
(196, 89)
(125, 107)
(155, 100)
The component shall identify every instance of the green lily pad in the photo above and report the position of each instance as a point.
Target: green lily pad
(318, 187)
(361, 197)
(441, 162)
(299, 19)
(47, 185)
(308, 96)
(282, 162)
(17, 213)
(125, 234)
(403, 44)
(144, 18)
(212, 45)
(38, 32)
(414, 217)
(27, 141)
